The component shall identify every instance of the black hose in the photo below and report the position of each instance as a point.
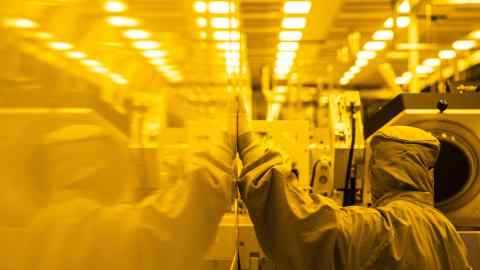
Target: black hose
(314, 173)
(349, 188)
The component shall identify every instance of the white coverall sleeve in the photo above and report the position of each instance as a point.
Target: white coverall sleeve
(172, 229)
(298, 229)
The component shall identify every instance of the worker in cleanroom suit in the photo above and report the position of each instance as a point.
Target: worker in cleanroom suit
(303, 231)
(91, 222)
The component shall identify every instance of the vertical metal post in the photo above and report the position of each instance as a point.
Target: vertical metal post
(413, 54)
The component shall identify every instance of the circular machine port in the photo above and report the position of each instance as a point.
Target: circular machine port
(456, 172)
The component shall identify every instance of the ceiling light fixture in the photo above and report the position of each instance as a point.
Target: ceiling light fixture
(136, 34)
(404, 7)
(361, 62)
(226, 35)
(290, 35)
(21, 23)
(464, 45)
(76, 55)
(402, 22)
(60, 46)
(366, 55)
(121, 21)
(297, 7)
(154, 54)
(374, 46)
(432, 62)
(288, 46)
(422, 69)
(224, 23)
(383, 35)
(294, 23)
(221, 7)
(146, 44)
(447, 54)
(114, 6)
(200, 6)
(91, 63)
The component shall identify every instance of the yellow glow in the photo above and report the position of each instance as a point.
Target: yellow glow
(229, 46)
(43, 35)
(402, 22)
(422, 69)
(154, 54)
(226, 35)
(232, 55)
(447, 54)
(221, 7)
(121, 21)
(21, 23)
(383, 35)
(355, 69)
(361, 62)
(344, 81)
(91, 63)
(114, 6)
(286, 55)
(404, 7)
(136, 34)
(374, 46)
(158, 61)
(146, 45)
(224, 23)
(475, 34)
(464, 45)
(366, 55)
(202, 22)
(118, 79)
(290, 35)
(203, 35)
(297, 7)
(407, 74)
(348, 75)
(294, 23)
(200, 6)
(76, 55)
(432, 62)
(288, 46)
(60, 46)
(402, 80)
(101, 70)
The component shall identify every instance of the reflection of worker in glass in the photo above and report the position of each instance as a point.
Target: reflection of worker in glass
(90, 221)
(299, 230)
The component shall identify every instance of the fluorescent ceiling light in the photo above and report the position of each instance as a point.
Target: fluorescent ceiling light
(404, 7)
(402, 22)
(432, 62)
(475, 34)
(348, 75)
(344, 81)
(76, 55)
(146, 45)
(232, 55)
(91, 63)
(288, 46)
(294, 23)
(402, 80)
(101, 70)
(202, 22)
(203, 35)
(286, 55)
(60, 46)
(355, 69)
(297, 7)
(200, 6)
(118, 79)
(122, 21)
(154, 54)
(361, 62)
(464, 45)
(226, 35)
(136, 34)
(224, 22)
(422, 69)
(366, 55)
(374, 46)
(21, 23)
(290, 35)
(447, 54)
(158, 61)
(221, 7)
(229, 46)
(114, 6)
(407, 74)
(383, 35)
(43, 35)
